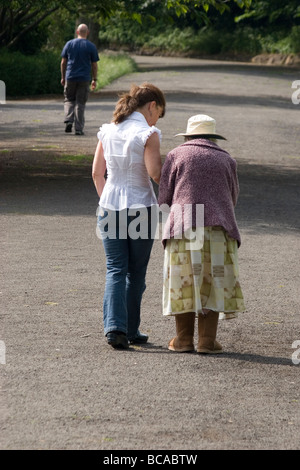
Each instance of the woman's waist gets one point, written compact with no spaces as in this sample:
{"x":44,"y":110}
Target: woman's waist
{"x":128,"y":181}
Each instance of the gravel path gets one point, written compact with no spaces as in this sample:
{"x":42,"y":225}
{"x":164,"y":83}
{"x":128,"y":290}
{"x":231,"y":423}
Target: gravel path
{"x":62,"y":386}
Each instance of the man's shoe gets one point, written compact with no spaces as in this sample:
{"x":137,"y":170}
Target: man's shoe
{"x":117,"y":340}
{"x":139,"y":338}
{"x":68,"y":127}
{"x":79,"y":133}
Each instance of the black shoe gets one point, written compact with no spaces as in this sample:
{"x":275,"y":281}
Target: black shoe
{"x":79,"y":133}
{"x":117,"y":340}
{"x":139,"y":338}
{"x":68,"y":127}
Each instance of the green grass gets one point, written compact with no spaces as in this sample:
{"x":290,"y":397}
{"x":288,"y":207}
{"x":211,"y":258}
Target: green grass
{"x":75,"y":159}
{"x":111,"y":67}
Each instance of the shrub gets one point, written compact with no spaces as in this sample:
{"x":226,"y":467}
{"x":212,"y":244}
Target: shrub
{"x":40,"y":74}
{"x":295,"y":39}
{"x":30,"y":75}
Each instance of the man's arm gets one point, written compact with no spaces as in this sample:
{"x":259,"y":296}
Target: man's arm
{"x":94,"y":74}
{"x":63,"y":68}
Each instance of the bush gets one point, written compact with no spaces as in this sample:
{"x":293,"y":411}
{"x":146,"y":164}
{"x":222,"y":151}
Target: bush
{"x":163,"y":37}
{"x":30,"y":75}
{"x":244,"y":40}
{"x":295,"y":39}
{"x":206,"y":41}
{"x":40,"y":74}
{"x":282,"y":43}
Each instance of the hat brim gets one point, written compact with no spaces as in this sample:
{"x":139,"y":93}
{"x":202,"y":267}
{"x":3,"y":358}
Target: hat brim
{"x":202,"y":136}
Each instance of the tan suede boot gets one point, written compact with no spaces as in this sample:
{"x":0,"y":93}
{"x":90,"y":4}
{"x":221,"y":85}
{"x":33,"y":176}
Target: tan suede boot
{"x":207,"y":332}
{"x":184,"y":341}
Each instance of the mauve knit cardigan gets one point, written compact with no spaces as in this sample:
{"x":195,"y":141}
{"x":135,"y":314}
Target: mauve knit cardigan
{"x":200,"y":172}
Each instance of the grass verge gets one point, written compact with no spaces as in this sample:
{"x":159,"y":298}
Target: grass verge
{"x":111,"y":67}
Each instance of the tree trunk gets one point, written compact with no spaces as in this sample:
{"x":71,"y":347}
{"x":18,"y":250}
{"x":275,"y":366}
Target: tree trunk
{"x":93,"y":29}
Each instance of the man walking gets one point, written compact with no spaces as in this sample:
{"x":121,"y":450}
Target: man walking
{"x":79,"y":58}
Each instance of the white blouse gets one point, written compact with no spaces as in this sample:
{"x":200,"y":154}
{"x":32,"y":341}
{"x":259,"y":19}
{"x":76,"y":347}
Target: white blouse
{"x":128,"y":183}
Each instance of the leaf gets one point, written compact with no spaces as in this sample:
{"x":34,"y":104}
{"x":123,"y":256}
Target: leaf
{"x":137,"y":17}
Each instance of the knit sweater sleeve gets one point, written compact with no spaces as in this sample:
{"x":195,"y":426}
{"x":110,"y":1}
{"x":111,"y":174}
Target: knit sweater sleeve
{"x":235,"y":183}
{"x":167,"y":181}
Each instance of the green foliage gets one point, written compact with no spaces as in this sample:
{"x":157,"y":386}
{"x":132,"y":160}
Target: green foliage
{"x":278,"y":42}
{"x":111,"y":67}
{"x":187,"y":41}
{"x":244,"y":41}
{"x":21,"y":20}
{"x":275,"y":13}
{"x":295,"y":39}
{"x":30,"y":75}
{"x":33,"y":41}
{"x":40,"y":74}
{"x":19,"y":17}
{"x":61,"y":28}
{"x":206,"y":41}
{"x":169,"y":26}
{"x":265,"y":28}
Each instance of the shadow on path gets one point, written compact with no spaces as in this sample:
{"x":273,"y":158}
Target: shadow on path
{"x":246,"y":357}
{"x":269,"y":195}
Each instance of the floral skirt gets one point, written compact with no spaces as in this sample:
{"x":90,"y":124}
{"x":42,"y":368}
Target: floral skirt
{"x":203,"y":276}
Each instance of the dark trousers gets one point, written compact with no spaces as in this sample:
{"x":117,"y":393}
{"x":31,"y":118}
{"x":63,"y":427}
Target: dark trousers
{"x":76,"y":95}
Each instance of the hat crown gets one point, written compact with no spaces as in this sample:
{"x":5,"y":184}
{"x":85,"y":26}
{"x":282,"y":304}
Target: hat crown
{"x":201,"y":124}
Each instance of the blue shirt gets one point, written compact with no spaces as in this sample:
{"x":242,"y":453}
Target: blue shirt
{"x":80,"y":53}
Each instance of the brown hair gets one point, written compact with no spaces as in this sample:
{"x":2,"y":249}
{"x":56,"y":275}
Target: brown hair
{"x":137,"y":97}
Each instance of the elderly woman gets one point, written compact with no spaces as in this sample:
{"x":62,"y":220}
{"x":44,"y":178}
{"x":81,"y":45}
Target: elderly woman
{"x":201,"y":276}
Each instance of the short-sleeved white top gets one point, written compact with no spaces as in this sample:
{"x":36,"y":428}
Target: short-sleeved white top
{"x":128,"y":183}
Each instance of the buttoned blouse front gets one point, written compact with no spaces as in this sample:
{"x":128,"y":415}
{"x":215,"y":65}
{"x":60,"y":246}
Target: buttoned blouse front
{"x":128,"y":183}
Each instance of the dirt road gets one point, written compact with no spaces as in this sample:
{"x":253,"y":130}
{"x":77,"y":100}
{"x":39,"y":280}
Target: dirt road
{"x":62,"y":386}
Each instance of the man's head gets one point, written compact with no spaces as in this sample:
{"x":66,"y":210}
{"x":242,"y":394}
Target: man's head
{"x":82,"y":31}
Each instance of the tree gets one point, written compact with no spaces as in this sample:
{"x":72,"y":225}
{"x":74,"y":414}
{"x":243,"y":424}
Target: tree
{"x":19,"y":17}
{"x":273,"y":13}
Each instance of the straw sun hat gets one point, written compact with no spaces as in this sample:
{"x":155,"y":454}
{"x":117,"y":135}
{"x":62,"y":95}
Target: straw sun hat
{"x":201,"y":125}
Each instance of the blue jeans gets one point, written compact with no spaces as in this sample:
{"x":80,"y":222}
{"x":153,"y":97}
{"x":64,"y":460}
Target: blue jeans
{"x":126,"y":265}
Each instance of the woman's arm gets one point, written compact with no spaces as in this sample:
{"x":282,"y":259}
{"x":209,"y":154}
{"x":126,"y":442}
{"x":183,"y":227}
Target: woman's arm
{"x":152,"y":157}
{"x":99,"y":168}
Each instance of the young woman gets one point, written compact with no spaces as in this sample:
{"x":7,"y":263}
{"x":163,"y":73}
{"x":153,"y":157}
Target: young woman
{"x":129,"y":150}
